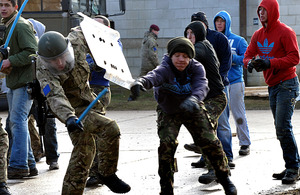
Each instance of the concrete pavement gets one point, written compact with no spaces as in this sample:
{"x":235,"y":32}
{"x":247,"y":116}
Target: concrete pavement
{"x":138,"y":162}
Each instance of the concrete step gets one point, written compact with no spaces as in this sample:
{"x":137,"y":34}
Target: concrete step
{"x":259,"y":91}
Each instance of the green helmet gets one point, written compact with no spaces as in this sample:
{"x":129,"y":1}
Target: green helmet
{"x":56,"y":53}
{"x":52,"y":44}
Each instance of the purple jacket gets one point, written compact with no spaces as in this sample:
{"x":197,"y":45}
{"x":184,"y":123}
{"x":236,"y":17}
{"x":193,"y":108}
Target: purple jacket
{"x":172,"y":87}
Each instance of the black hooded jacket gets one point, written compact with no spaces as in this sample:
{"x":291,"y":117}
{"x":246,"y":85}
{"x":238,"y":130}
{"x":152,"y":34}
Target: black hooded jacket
{"x":206,"y":54}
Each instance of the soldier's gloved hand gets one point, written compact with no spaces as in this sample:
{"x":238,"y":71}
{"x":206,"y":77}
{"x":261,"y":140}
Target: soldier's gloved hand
{"x":135,"y":89}
{"x":72,"y":125}
{"x":4,"y":52}
{"x":261,"y":64}
{"x":190,"y":104}
{"x":250,"y":65}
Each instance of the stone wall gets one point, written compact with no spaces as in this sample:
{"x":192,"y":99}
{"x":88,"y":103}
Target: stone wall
{"x":172,"y":16}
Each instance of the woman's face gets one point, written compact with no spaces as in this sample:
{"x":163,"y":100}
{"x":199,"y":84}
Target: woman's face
{"x":180,"y":60}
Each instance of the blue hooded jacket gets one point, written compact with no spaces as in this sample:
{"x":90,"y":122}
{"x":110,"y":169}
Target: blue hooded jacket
{"x":238,"y":48}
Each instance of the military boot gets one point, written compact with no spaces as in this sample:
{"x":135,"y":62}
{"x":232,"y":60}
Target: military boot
{"x":228,"y":186}
{"x":4,"y":189}
{"x":115,"y":184}
{"x":93,"y":181}
{"x":199,"y":164}
{"x":208,"y":177}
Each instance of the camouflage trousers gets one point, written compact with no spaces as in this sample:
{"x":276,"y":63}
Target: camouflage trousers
{"x":201,"y":129}
{"x":95,"y":125}
{"x":105,"y":100}
{"x":3,"y":153}
{"x":215,"y":106}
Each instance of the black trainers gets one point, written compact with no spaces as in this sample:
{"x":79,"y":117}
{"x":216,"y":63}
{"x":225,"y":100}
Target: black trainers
{"x":93,"y":181}
{"x":228,"y":186}
{"x":231,"y":164}
{"x":33,"y":172}
{"x":208,"y":177}
{"x":4,"y":189}
{"x":244,"y":150}
{"x":279,"y":176}
{"x":115,"y":184}
{"x":199,"y":164}
{"x":14,"y":173}
{"x":192,"y":147}
{"x":53,"y":166}
{"x":291,"y":176}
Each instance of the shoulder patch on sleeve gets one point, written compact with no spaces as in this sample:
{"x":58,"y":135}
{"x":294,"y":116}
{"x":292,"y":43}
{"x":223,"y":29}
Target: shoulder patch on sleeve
{"x":46,"y":89}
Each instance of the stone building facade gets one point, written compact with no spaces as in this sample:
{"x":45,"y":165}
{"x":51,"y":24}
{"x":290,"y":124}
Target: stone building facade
{"x":172,"y":16}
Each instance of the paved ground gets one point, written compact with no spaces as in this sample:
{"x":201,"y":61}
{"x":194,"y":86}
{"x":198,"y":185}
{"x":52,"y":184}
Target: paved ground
{"x":138,"y":162}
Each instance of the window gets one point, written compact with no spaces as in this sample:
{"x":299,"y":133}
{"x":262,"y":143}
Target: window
{"x":43,"y":5}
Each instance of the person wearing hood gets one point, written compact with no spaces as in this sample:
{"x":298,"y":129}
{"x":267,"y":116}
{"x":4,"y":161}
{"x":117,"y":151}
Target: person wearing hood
{"x":215,"y":101}
{"x":222,"y":48}
{"x":180,"y":87}
{"x":274,"y":50}
{"x":222,"y":22}
{"x":149,"y":50}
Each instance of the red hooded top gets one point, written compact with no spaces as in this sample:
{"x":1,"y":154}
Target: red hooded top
{"x":276,"y":42}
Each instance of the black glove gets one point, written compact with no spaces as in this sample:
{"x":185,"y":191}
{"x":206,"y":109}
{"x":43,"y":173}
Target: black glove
{"x":135,"y":89}
{"x":250,"y":65}
{"x":261,"y":65}
{"x":4,"y":52}
{"x":190,"y":104}
{"x":72,"y":125}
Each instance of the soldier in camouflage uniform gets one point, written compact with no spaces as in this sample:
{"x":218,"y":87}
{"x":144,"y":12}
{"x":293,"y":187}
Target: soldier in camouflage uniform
{"x":64,"y":82}
{"x":149,"y":50}
{"x":3,"y":160}
{"x":3,"y":145}
{"x":180,"y":86}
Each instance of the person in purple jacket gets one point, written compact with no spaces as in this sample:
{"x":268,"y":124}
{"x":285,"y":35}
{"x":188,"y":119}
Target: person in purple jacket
{"x":180,"y":86}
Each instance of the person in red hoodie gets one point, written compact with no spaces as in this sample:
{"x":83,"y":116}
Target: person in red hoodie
{"x":274,"y":50}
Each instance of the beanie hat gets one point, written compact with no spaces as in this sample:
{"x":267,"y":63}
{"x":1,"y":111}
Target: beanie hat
{"x":181,"y":44}
{"x":154,"y":27}
{"x":199,"y":16}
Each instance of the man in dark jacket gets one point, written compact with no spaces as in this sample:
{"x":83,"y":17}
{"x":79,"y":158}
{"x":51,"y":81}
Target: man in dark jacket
{"x":216,"y":101}
{"x":180,"y":86}
{"x":221,"y":46}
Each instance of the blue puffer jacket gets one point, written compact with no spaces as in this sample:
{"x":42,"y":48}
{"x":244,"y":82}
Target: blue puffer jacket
{"x":238,"y":48}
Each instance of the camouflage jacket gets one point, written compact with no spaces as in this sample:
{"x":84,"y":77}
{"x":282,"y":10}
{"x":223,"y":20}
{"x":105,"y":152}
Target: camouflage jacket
{"x":149,"y":51}
{"x":69,"y":94}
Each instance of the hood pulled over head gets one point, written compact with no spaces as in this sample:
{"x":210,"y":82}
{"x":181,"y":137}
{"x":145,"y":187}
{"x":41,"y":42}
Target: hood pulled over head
{"x":198,"y":29}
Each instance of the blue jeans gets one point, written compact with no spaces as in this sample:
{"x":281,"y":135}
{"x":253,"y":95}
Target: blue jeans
{"x":19,"y":105}
{"x":224,"y":130}
{"x":282,"y":102}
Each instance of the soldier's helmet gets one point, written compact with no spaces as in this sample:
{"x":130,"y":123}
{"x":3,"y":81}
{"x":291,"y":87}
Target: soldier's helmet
{"x":56,"y":53}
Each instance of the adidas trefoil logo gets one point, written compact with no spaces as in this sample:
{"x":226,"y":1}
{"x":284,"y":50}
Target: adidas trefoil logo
{"x":266,"y":48}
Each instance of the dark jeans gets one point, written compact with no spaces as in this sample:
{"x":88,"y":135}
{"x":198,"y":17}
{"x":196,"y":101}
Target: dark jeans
{"x":282,"y":102}
{"x":50,"y":138}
